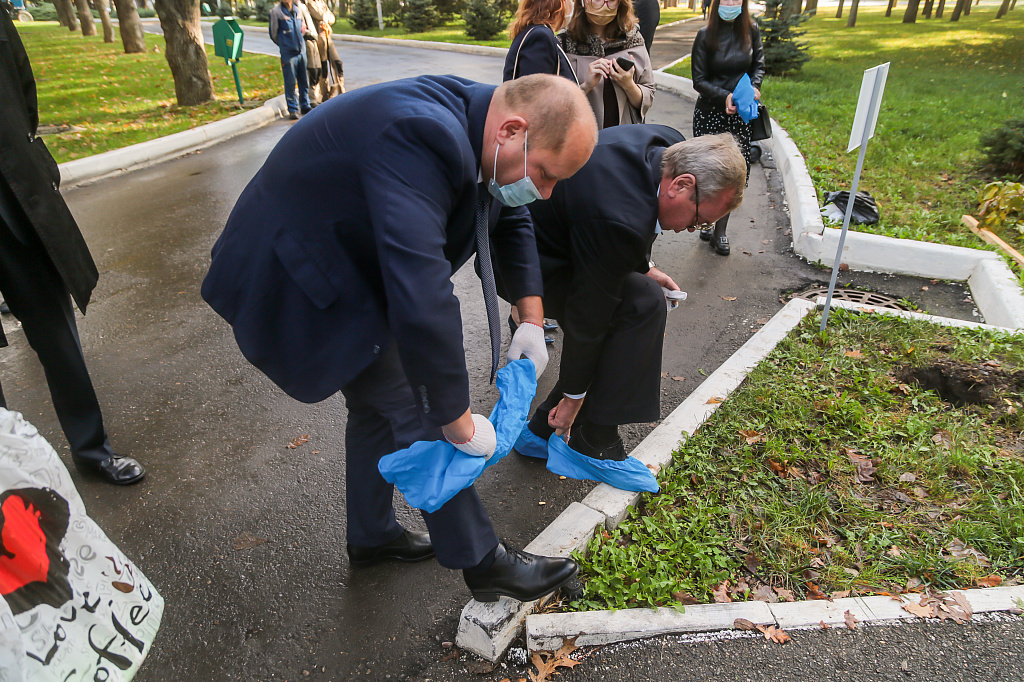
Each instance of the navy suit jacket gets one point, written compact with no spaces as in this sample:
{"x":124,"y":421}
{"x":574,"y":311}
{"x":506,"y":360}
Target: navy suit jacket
{"x":597,"y":227}
{"x":346,"y":240}
{"x":537,"y":50}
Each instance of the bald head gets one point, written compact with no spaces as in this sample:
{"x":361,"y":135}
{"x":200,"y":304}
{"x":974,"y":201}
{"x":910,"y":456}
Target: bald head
{"x":542,"y":122}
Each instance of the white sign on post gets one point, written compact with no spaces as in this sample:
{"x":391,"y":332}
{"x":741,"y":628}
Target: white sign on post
{"x":866,"y":114}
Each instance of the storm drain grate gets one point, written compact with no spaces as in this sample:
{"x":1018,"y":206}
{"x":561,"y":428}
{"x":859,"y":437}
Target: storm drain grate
{"x":854,"y":296}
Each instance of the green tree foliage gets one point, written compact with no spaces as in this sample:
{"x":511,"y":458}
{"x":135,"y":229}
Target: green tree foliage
{"x":420,"y":16}
{"x":449,"y":9}
{"x":484,"y":19}
{"x":363,"y":15}
{"x":782,"y":53}
{"x":262,"y":9}
{"x":1004,"y":149}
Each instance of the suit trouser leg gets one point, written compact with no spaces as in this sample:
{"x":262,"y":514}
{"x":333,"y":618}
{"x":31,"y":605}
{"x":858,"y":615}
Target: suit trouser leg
{"x":36,"y":295}
{"x":383,"y":417}
{"x":627,"y":382}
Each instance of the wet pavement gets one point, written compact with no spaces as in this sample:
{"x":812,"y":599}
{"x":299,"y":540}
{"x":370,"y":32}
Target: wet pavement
{"x":243,"y":536}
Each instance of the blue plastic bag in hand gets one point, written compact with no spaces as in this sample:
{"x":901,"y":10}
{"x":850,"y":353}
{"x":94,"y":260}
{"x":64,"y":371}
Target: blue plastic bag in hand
{"x":630,"y":474}
{"x":743,"y":98}
{"x":429,"y":473}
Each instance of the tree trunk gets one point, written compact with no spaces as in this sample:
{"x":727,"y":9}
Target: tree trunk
{"x":852,"y":20}
{"x":967,"y":8}
{"x":927,"y":11}
{"x":1003,"y":9}
{"x":811,"y":7}
{"x":888,"y":10}
{"x":839,"y":12}
{"x":61,"y":18}
{"x":910,"y":16}
{"x":957,"y":9}
{"x":131,"y":28}
{"x":185,"y":52}
{"x":940,"y":9}
{"x":692,"y":5}
{"x":790,"y":8}
{"x":85,"y":18}
{"x":108,"y":28}
{"x":70,"y":20}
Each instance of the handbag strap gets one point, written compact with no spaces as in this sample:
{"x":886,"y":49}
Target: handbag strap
{"x":558,"y":68}
{"x":515,"y":67}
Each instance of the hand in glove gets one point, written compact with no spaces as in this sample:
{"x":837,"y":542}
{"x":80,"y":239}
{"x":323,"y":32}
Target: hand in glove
{"x":529,"y":341}
{"x":481,"y":443}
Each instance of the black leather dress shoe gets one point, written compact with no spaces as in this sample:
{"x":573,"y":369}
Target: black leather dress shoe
{"x":410,"y":546}
{"x":116,"y":469}
{"x":519,"y":575}
{"x":614,"y":451}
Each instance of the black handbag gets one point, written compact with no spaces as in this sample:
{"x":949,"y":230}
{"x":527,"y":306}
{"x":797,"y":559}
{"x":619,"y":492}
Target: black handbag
{"x":761,"y":127}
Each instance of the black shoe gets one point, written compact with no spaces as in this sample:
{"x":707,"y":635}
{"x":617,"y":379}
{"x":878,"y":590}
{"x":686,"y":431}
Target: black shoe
{"x":115,"y":469}
{"x":4,"y":308}
{"x":519,"y":575}
{"x":308,"y":109}
{"x":615,"y":451}
{"x":705,"y":233}
{"x":293,"y":115}
{"x":410,"y":546}
{"x":720,"y":245}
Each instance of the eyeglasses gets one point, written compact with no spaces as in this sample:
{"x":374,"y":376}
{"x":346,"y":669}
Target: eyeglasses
{"x":598,"y":3}
{"x":696,"y":203}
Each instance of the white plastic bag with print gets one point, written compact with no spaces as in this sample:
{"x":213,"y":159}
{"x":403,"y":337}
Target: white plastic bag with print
{"x":73,"y":607}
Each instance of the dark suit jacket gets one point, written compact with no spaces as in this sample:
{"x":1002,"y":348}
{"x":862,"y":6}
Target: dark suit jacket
{"x":30,"y":200}
{"x":597,"y":227}
{"x":346,"y":240}
{"x":538,"y":51}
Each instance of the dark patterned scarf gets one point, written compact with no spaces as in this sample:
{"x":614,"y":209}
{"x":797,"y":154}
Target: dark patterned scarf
{"x":593,"y":46}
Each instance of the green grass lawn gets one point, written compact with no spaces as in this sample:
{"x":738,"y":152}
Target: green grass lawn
{"x":832,"y":470}
{"x":121,"y":99}
{"x":948,"y":84}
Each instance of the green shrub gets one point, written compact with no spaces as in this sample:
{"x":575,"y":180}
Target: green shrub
{"x":1002,"y":207}
{"x":484,"y":20}
{"x":363,"y":15}
{"x":782,"y":53}
{"x":44,"y":11}
{"x":420,"y":16}
{"x":263,"y":8}
{"x":449,"y":9}
{"x":1004,"y":149}
{"x":146,"y":13}
{"x":244,"y":12}
{"x":222,"y":11}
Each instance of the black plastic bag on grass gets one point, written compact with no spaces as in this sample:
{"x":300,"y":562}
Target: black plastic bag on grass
{"x":865,"y":209}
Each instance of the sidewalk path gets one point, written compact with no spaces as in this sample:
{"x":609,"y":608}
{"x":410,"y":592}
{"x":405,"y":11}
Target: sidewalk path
{"x":673,"y":42}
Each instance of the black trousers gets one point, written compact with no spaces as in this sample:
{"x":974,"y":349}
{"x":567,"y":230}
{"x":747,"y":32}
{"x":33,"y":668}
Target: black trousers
{"x":36,"y":295}
{"x":627,"y":384}
{"x":383,"y":417}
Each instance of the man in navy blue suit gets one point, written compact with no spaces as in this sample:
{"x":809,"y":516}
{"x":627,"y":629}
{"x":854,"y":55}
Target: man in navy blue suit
{"x":335,"y":270}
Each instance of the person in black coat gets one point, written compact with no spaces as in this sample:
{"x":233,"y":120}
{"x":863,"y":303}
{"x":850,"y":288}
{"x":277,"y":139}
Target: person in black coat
{"x":648,"y":13}
{"x":728,"y":47}
{"x":534,"y":48}
{"x":594,"y":237}
{"x":335,"y":269}
{"x":43,"y":259}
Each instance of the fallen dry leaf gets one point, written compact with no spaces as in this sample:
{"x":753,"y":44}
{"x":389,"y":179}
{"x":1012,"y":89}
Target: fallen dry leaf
{"x":919,"y":610}
{"x":721,"y":593}
{"x":762,"y":320}
{"x":943,"y":437}
{"x":764,"y":593}
{"x":784,"y":594}
{"x":839,"y":594}
{"x":851,"y":620}
{"x":297,"y":441}
{"x":907,"y":478}
{"x":855,"y":354}
{"x":775,"y":634}
{"x":685,"y":598}
{"x":958,"y":550}
{"x":678,"y":378}
{"x":751,"y":562}
{"x":728,"y":298}
{"x":546,"y":662}
{"x":743,"y":624}
{"x":814,"y":592}
{"x":714,"y":400}
{"x":751,"y":436}
{"x":823,"y":625}
{"x":989,"y":581}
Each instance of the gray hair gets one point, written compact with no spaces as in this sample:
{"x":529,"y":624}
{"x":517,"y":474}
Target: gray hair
{"x":714,"y":160}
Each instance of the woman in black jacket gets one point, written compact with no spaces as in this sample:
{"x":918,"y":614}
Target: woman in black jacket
{"x":728,"y":47}
{"x":535,"y":49}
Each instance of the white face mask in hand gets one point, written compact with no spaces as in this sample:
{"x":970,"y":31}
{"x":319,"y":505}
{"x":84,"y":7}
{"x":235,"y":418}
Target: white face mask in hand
{"x":520,"y":192}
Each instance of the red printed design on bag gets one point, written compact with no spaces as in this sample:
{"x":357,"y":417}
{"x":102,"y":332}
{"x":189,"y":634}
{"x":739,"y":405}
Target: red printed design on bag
{"x":33,"y":569}
{"x":24,"y":557}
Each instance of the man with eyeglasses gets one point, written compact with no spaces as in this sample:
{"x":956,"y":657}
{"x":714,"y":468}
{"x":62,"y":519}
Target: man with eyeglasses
{"x":594,"y":237}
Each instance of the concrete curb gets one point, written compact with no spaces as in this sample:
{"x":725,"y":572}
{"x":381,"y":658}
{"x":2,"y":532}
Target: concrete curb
{"x":427,"y":45}
{"x":489,"y":629}
{"x":117,"y":161}
{"x":993,"y":285}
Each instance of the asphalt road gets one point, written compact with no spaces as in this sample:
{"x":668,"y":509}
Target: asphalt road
{"x":245,"y":537}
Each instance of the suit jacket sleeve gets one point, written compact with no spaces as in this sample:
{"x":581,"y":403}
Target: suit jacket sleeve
{"x":514,"y":254}
{"x":537,"y":55}
{"x":699,"y":67}
{"x":603,"y":253}
{"x":412,"y":182}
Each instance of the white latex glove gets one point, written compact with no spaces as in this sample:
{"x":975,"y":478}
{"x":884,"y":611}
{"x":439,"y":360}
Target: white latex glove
{"x":673,"y":297}
{"x":484,"y":439}
{"x":528,"y":341}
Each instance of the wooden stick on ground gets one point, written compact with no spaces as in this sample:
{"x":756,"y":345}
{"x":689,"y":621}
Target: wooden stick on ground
{"x":991,"y":238}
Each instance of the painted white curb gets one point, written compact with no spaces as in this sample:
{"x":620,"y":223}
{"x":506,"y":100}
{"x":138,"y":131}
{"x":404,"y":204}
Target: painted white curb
{"x":427,"y":45}
{"x":144,"y":154}
{"x":992,"y":283}
{"x":488,"y":629}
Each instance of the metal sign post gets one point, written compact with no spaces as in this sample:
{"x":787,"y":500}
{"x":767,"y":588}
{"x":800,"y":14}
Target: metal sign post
{"x":380,"y":16}
{"x":864,"y":120}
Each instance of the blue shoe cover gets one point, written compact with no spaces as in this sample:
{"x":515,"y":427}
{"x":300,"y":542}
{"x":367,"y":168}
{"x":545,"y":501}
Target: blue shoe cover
{"x":630,"y":474}
{"x":530,"y":444}
{"x":429,"y":473}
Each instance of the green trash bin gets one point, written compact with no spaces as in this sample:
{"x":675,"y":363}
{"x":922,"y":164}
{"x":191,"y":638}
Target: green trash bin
{"x":227,"y":43}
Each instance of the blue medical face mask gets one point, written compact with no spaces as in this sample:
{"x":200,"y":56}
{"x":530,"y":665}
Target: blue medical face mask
{"x":729,"y":12}
{"x":520,"y":192}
